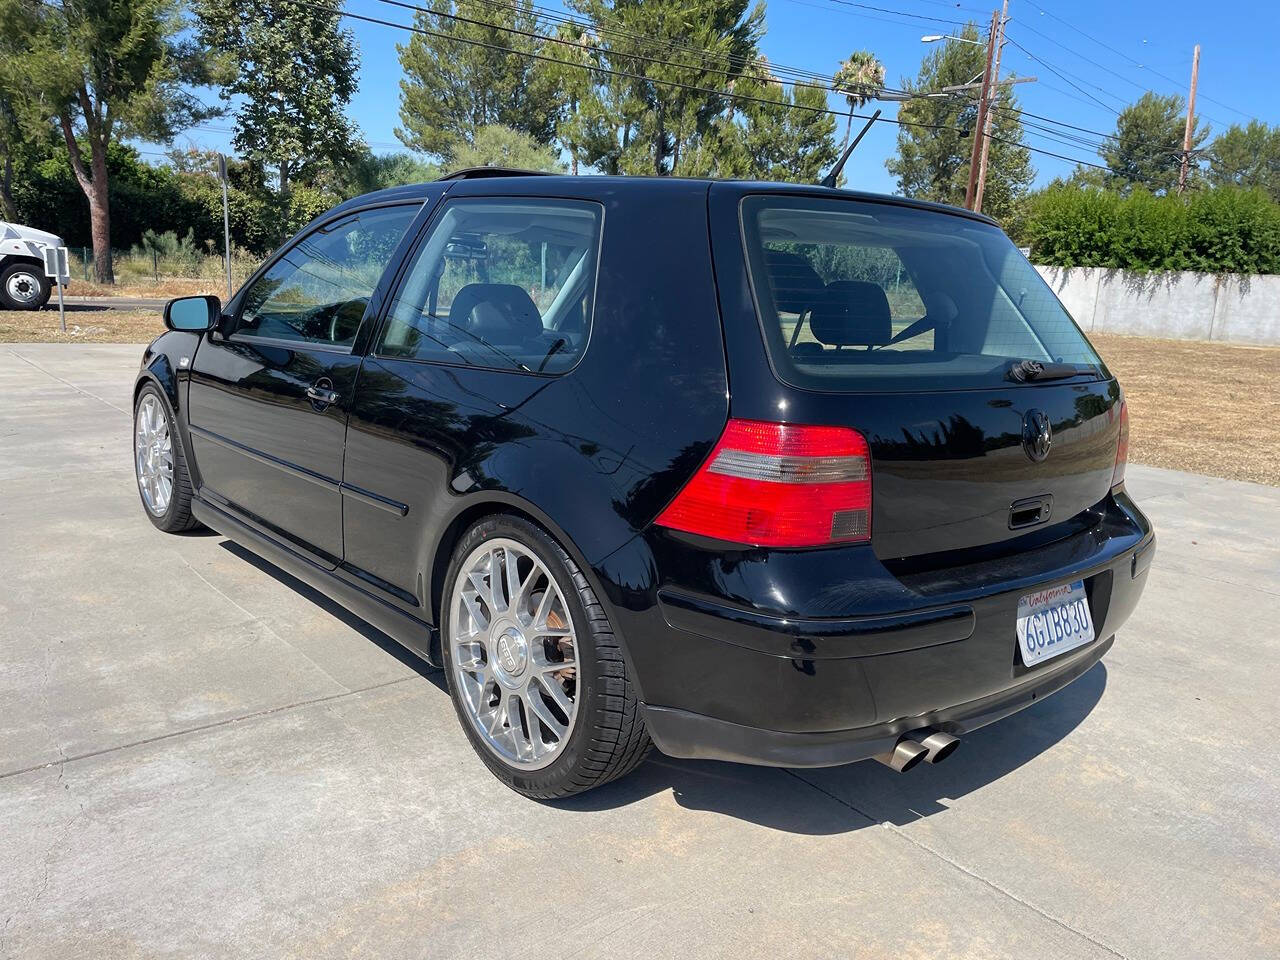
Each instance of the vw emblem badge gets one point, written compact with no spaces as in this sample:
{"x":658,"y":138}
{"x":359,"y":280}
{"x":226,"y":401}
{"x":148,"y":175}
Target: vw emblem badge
{"x":1037,"y":435}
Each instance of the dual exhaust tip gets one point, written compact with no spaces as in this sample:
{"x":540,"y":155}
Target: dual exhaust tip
{"x":931,"y":745}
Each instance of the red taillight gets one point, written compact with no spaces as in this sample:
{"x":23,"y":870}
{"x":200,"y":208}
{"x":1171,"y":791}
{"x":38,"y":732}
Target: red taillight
{"x":1122,"y":449}
{"x":779,"y":485}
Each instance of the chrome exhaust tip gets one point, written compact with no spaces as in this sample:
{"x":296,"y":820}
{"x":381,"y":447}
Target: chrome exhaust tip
{"x":905,"y":755}
{"x":940,"y":745}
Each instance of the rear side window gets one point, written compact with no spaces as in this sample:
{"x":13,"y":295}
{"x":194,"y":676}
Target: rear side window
{"x":860,"y":296}
{"x":501,"y":283}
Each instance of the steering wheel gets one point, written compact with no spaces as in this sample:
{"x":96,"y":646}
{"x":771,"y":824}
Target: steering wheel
{"x":344,"y":319}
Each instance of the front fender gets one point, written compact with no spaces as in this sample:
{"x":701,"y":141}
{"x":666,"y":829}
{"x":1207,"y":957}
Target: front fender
{"x":165,"y":364}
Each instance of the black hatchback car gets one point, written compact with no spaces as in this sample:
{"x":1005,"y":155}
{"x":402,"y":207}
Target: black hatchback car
{"x":775,"y":474}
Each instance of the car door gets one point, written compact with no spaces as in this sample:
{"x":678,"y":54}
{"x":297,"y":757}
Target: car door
{"x":494,"y":304}
{"x":270,"y":390}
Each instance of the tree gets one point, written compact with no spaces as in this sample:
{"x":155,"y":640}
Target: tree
{"x":1247,"y":157}
{"x":102,"y":72}
{"x":12,"y":141}
{"x":574,"y":78}
{"x":1146,"y":149}
{"x":497,"y":146}
{"x":647,"y":117}
{"x":935,"y":136}
{"x":292,"y":69}
{"x":790,"y":137}
{"x":859,"y":79}
{"x":369,"y":172}
{"x":472,"y":71}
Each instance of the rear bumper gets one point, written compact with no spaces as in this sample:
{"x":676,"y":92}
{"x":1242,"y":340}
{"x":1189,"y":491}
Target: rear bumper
{"x":680,"y":733}
{"x":758,"y":687}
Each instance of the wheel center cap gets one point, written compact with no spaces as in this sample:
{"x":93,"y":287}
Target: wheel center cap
{"x":511,"y":654}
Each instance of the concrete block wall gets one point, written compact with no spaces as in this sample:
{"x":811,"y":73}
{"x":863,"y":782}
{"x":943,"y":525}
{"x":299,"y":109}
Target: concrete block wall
{"x":1179,"y":306}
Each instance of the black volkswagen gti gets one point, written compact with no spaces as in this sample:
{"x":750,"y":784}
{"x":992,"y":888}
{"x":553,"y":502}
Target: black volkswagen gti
{"x":776,"y":474}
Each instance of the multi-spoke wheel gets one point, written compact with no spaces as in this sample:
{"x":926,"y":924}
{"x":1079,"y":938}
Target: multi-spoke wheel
{"x":153,"y":455}
{"x":534,"y":669}
{"x":159,"y":466}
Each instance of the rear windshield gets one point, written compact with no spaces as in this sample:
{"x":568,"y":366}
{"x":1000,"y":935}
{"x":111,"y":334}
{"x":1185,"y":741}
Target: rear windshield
{"x":868,"y":296}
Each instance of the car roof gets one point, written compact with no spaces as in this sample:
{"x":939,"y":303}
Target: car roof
{"x":532,"y":182}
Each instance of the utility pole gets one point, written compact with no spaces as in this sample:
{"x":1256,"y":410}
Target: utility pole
{"x":226,"y":219}
{"x":1191,"y":121}
{"x":990,"y":120}
{"x":975,"y":154}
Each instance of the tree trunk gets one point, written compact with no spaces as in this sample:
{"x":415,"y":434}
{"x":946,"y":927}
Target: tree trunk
{"x":6,"y":189}
{"x":100,"y":214}
{"x":93,"y":182}
{"x":848,"y":128}
{"x":100,"y":230}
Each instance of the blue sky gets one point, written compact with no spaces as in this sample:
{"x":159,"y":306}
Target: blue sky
{"x":1095,"y":47}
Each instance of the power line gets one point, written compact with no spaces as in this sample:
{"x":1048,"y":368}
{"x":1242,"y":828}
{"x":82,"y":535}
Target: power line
{"x":899,"y":13}
{"x":726,"y":94}
{"x":1095,"y":63}
{"x":1139,"y":65}
{"x":1066,"y":79}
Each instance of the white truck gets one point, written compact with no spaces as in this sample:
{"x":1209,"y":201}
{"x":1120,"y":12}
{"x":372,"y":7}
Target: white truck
{"x":23,"y":285}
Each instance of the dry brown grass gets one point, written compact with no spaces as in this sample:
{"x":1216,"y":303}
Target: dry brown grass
{"x":166,"y":288}
{"x":83,"y":326}
{"x":1205,"y":407}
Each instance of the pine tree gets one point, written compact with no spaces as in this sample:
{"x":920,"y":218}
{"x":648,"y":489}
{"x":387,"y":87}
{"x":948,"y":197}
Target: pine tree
{"x":473,"y":70}
{"x":935,"y":138}
{"x":650,"y":117}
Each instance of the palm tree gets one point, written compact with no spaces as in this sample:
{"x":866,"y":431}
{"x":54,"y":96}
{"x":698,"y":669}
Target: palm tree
{"x":859,"y":79}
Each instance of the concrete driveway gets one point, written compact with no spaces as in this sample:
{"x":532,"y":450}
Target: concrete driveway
{"x":200,"y":756}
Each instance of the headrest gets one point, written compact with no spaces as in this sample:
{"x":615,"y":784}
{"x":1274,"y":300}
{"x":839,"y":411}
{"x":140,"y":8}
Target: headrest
{"x":497,"y":312}
{"x":852,"y":313}
{"x":939,"y":306}
{"x":796,"y":285}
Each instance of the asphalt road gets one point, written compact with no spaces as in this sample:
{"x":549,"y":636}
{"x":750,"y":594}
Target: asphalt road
{"x":200,"y":756}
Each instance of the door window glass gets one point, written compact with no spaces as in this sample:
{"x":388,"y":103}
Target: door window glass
{"x":503,"y":283}
{"x":318,"y":290}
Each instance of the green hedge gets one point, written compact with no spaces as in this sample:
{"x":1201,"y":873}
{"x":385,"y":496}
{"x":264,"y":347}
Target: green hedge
{"x":1223,"y":230}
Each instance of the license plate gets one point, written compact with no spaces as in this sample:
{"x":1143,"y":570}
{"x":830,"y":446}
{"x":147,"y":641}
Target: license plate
{"x":1053,"y":621}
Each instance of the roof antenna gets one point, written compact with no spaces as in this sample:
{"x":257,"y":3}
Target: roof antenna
{"x":830,"y":179}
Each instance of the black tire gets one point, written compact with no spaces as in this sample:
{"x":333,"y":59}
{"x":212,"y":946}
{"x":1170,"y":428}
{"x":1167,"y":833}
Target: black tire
{"x":609,"y":739}
{"x":28,"y":277}
{"x":177,"y":516}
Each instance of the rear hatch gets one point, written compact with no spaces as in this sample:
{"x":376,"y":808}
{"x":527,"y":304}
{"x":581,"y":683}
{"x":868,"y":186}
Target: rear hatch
{"x":987,"y":414}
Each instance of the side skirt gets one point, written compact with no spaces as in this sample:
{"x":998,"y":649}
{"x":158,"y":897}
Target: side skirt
{"x":408,"y":631}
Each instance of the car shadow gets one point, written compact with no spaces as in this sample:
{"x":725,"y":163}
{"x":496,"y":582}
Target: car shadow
{"x":843,"y":798}
{"x":338,"y":611}
{"x":860,"y":794}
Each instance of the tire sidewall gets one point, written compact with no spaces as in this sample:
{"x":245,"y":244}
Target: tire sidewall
{"x":42,"y":282}
{"x":550,"y":780}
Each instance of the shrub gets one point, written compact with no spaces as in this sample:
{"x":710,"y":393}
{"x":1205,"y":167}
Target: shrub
{"x":1222,"y":230}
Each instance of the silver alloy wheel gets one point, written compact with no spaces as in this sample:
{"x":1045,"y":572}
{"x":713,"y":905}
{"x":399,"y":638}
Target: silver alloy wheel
{"x":23,"y":287}
{"x":153,"y":455}
{"x":515,"y":656}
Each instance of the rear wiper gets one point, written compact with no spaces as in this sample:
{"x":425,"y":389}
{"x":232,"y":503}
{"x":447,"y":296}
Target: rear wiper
{"x":1024,"y":370}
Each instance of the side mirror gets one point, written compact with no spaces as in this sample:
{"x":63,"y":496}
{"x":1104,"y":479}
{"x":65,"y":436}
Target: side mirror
{"x":194,"y":314}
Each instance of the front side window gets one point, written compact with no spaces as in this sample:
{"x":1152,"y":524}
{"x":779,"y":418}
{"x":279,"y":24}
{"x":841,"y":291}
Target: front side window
{"x":501,"y":283}
{"x":318,"y":290}
{"x":858,"y":296}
